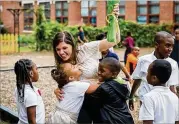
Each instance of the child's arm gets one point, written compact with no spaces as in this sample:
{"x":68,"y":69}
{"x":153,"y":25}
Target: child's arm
{"x":123,"y":68}
{"x":92,"y":88}
{"x":85,"y":39}
{"x":172,"y":88}
{"x":148,"y":122}
{"x":31,"y":114}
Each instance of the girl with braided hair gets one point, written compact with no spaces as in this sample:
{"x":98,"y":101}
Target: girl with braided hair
{"x":28,"y":98}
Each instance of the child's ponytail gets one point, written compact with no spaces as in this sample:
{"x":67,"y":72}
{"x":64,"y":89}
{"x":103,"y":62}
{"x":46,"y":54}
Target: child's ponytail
{"x":60,"y":77}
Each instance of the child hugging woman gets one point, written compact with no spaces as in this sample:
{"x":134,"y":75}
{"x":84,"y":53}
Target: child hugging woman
{"x":107,"y":101}
{"x":67,"y":110}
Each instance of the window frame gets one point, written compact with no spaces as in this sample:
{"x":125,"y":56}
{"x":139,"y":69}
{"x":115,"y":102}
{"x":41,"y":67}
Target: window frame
{"x":89,"y":17}
{"x":175,"y":14}
{"x":62,"y":9}
{"x":148,"y":14}
{"x":122,"y":16}
{"x":46,"y":9}
{"x":28,"y":17}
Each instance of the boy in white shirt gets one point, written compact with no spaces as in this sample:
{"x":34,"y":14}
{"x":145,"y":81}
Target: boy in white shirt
{"x":163,"y":47}
{"x":160,"y":105}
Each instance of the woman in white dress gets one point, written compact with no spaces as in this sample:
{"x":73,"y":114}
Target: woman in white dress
{"x":85,"y":56}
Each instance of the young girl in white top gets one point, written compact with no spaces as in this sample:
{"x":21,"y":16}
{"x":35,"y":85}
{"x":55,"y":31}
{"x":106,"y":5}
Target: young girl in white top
{"x":67,"y":110}
{"x":30,"y":105}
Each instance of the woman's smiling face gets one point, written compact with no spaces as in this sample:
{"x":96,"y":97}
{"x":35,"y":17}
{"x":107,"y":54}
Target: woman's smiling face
{"x":64,"y":51}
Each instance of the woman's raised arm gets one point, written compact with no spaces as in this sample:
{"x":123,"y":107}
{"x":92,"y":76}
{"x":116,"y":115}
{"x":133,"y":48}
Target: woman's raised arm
{"x":104,"y":44}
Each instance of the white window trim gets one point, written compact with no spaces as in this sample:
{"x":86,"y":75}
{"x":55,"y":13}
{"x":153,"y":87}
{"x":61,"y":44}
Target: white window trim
{"x":27,"y":2}
{"x":67,"y":0}
{"x":27,"y":31}
{"x":74,"y":0}
{"x":44,"y":1}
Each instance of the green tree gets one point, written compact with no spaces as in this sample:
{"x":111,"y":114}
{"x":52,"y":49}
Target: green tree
{"x":39,"y":28}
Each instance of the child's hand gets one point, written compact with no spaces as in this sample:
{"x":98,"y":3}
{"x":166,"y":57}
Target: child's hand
{"x":131,"y":81}
{"x":131,"y":104}
{"x":118,"y":37}
{"x":59,"y":93}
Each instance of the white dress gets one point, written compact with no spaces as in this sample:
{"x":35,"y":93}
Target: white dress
{"x":88,"y":59}
{"x":67,"y":110}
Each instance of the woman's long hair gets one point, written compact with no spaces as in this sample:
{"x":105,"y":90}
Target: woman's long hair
{"x":22,"y":70}
{"x":68,"y":39}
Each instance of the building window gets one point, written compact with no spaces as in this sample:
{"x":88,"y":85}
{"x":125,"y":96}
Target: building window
{"x":147,"y":11}
{"x":46,"y":6}
{"x":176,"y":15}
{"x":28,"y":17}
{"x":61,"y":11}
{"x":122,"y":10}
{"x":88,"y":12}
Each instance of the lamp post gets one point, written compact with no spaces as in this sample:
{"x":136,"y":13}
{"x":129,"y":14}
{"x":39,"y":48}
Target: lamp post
{"x":16,"y":13}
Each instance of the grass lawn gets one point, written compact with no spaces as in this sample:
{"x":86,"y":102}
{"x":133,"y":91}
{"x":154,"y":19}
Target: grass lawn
{"x":26,"y":49}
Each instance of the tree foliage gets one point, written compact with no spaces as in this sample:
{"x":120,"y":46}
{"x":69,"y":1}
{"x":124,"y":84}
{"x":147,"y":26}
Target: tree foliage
{"x":143,"y":34}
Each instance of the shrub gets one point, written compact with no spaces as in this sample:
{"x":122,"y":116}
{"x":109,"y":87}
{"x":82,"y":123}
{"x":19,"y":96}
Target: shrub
{"x":3,"y":30}
{"x":143,"y":34}
{"x":45,"y":32}
{"x":28,"y":40}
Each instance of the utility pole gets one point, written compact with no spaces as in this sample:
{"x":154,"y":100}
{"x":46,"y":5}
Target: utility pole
{"x":16,"y":13}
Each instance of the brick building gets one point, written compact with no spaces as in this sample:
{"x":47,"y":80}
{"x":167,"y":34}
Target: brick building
{"x":89,"y":12}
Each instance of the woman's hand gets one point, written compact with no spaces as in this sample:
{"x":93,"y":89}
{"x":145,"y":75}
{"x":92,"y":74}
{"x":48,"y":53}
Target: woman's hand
{"x":124,"y":43}
{"x":131,"y":104}
{"x":59,"y":93}
{"x":116,"y":10}
{"x":116,"y":13}
{"x":118,"y":37}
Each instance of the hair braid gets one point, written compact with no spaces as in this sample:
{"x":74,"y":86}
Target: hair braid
{"x":22,"y":70}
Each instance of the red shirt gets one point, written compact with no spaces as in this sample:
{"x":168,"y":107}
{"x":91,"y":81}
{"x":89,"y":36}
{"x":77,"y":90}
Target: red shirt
{"x":129,"y":42}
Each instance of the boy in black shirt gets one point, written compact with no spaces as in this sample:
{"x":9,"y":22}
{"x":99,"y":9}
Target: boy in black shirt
{"x":108,"y":103}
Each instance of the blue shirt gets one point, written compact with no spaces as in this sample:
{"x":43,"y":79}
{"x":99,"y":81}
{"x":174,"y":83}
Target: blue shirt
{"x":81,"y":35}
{"x":111,"y":54}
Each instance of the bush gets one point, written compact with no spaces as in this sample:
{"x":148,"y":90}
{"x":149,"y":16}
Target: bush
{"x":143,"y":34}
{"x":45,"y":33}
{"x":3,"y":30}
{"x":28,"y":40}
